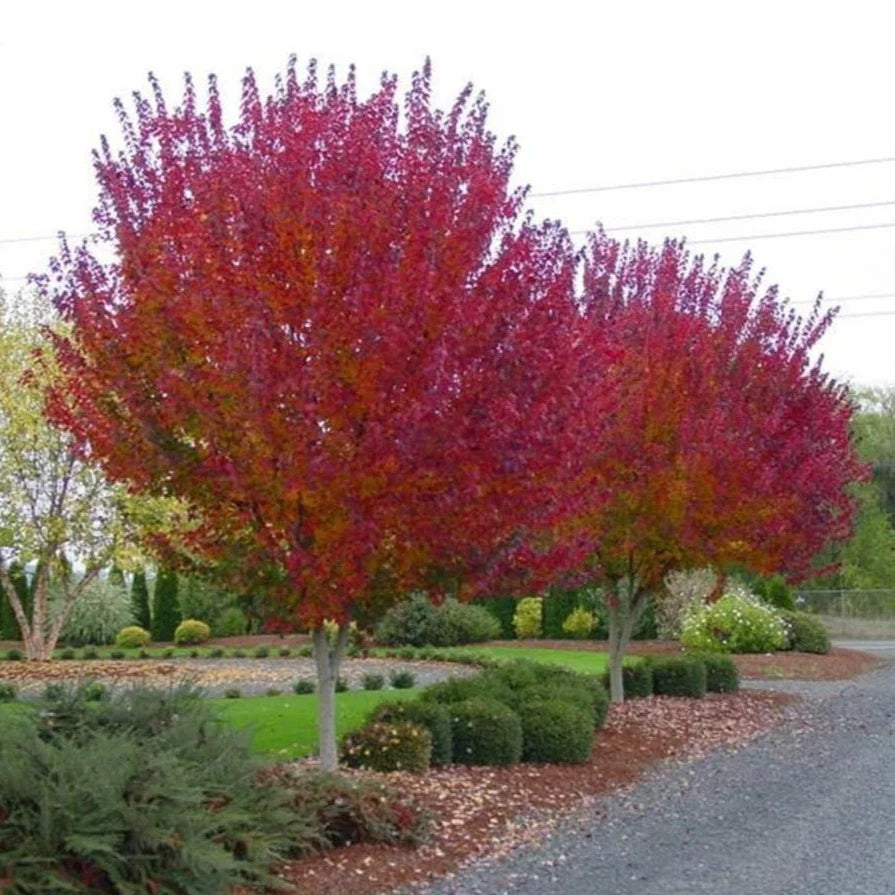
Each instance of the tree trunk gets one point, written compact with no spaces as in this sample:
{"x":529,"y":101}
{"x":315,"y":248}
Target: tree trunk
{"x":328,"y":661}
{"x":624,"y":609}
{"x":39,"y":633}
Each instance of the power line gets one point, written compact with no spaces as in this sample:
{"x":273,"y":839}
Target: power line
{"x":836,"y":301}
{"x":748,"y":217}
{"x":41,"y":238}
{"x":752,"y":236}
{"x":866,"y":314}
{"x":707,"y":177}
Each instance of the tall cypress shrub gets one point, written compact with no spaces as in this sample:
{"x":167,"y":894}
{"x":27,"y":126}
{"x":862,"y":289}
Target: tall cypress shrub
{"x":140,"y":600}
{"x":165,"y":608}
{"x":116,"y":576}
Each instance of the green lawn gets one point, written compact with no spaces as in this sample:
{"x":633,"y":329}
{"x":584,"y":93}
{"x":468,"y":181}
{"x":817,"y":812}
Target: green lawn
{"x":286,"y":726}
{"x":588,"y":661}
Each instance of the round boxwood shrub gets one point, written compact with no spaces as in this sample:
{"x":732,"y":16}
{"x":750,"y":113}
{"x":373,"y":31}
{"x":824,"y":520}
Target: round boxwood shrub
{"x":485,"y":732}
{"x":190,"y":632}
{"x":303,"y":686}
{"x":564,"y":678}
{"x":8,"y":691}
{"x":478,"y":686}
{"x":555,"y":730}
{"x":132,"y":637}
{"x":806,"y":633}
{"x":431,"y":715}
{"x":412,"y":622}
{"x":734,"y":624}
{"x":637,"y":679}
{"x":679,"y":676}
{"x":462,"y":623}
{"x":388,"y":746}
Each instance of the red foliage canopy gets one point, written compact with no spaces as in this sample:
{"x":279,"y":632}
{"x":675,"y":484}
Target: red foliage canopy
{"x":726,"y":443}
{"x":330,"y":330}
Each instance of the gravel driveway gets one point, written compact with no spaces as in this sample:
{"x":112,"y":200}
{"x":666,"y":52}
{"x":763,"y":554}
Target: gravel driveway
{"x":807,"y":810}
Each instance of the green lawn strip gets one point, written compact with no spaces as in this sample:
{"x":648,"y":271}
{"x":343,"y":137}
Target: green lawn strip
{"x":588,"y":661}
{"x":285,"y":727}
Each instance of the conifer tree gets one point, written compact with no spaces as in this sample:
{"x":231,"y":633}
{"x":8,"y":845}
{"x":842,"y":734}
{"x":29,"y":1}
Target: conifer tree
{"x":165,"y":608}
{"x":140,"y":600}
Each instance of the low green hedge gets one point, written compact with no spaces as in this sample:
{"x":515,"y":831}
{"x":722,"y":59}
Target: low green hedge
{"x":679,"y":676}
{"x":721,"y":672}
{"x":637,"y":679}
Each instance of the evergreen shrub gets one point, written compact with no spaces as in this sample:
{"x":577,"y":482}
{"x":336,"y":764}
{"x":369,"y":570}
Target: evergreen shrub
{"x":191,"y":632}
{"x":683,"y":675}
{"x":555,"y":730}
{"x":485,"y":732}
{"x":132,"y":637}
{"x":806,"y":633}
{"x":431,"y":715}
{"x":388,"y":746}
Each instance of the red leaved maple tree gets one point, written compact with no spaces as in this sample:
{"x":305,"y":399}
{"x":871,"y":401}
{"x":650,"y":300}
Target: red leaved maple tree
{"x":331,"y":331}
{"x":726,"y":443}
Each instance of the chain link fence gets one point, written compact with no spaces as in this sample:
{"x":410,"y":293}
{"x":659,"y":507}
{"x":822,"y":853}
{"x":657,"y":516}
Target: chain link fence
{"x":852,"y":613}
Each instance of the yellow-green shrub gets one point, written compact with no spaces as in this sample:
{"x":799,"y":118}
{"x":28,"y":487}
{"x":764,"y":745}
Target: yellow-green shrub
{"x":191,"y":631}
{"x":528,"y":618}
{"x":132,"y":637}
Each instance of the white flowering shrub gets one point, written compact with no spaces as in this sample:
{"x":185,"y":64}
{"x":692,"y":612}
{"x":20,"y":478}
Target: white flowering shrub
{"x":737,"y":623}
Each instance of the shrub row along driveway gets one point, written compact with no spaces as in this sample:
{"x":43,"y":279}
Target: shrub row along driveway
{"x":807,"y":810}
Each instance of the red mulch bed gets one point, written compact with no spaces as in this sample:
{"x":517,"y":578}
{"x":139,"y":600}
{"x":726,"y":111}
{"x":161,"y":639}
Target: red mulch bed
{"x":490,"y":811}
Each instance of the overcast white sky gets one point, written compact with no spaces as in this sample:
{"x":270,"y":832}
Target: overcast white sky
{"x":596,"y":93}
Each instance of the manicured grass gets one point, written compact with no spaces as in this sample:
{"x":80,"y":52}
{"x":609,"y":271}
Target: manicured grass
{"x":588,"y":661}
{"x":286,"y":726}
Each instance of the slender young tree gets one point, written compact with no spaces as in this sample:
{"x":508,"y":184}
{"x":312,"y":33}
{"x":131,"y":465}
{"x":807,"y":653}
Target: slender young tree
{"x":726,"y":444}
{"x":332,"y":332}
{"x":53,"y":504}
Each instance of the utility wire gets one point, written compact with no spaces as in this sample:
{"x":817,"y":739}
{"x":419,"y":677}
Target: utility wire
{"x":751,"y":236}
{"x":649,"y":183}
{"x":707,"y":177}
{"x":748,"y":217}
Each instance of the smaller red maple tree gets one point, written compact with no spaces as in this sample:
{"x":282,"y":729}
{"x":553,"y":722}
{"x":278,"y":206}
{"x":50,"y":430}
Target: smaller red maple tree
{"x":330,"y":330}
{"x":726,"y":443}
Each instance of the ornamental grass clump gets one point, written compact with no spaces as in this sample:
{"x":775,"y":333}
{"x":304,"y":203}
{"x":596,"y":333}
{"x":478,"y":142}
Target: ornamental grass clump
{"x":735,"y":624}
{"x":388,"y":746}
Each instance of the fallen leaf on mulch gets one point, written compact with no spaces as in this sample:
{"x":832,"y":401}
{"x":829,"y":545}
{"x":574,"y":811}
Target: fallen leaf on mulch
{"x":31,"y":672}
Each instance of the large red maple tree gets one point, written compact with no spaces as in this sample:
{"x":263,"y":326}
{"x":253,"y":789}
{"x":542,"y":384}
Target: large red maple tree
{"x":331,"y":330}
{"x":726,"y":443}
